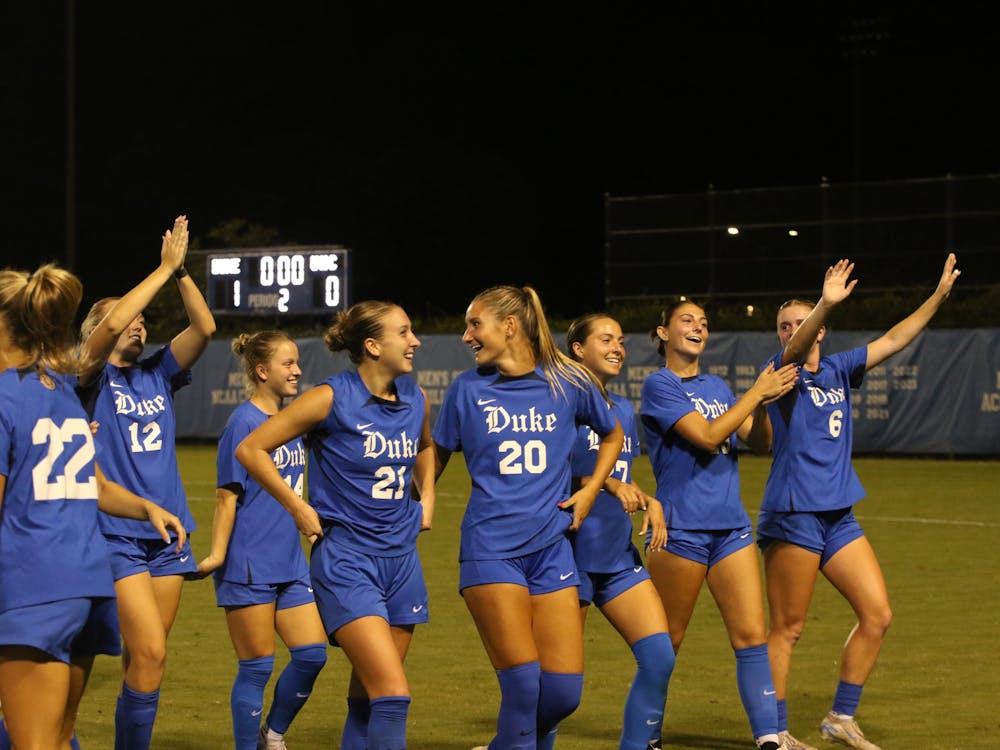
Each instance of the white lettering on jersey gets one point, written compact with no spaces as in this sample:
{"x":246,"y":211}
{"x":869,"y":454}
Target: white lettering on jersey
{"x":710,"y":410}
{"x":402,"y":447}
{"x":822,"y":398}
{"x":284,"y":458}
{"x":594,"y":443}
{"x":125,"y":404}
{"x":499,"y":419}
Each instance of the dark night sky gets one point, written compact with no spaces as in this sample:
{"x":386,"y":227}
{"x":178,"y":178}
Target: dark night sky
{"x":456,"y":150}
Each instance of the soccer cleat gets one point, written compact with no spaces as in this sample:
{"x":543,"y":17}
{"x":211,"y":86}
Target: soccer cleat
{"x":655,"y":745}
{"x":263,"y":743}
{"x":845,"y":731}
{"x":788,"y":742}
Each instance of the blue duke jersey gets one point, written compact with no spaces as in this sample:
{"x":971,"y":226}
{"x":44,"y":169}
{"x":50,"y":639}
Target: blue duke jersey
{"x":52,"y":547}
{"x":517,"y":437}
{"x":813,"y":436}
{"x":361,"y":466}
{"x":134,"y":407}
{"x":604,"y":542}
{"x":265,"y":546}
{"x":699,"y":490}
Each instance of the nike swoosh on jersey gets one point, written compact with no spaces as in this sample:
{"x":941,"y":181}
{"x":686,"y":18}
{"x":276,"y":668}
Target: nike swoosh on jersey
{"x":363,"y":426}
{"x":113,"y":384}
{"x":564,"y":576}
{"x":484,"y":401}
{"x":417,"y":609}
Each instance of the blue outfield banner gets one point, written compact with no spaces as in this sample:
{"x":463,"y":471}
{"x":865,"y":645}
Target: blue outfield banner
{"x":941,"y":395}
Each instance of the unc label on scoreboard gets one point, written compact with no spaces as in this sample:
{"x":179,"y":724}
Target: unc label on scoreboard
{"x":305,"y":280}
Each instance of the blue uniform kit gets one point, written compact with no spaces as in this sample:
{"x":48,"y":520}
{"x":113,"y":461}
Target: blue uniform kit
{"x":517,"y":437}
{"x":700,"y":491}
{"x":361,"y":459}
{"x":607,"y":560}
{"x":56,"y":590}
{"x":812,"y":486}
{"x":133,"y":407}
{"x":264,"y":561}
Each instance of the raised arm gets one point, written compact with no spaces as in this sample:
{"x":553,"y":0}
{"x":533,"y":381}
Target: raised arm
{"x":255,"y":451}
{"x":901,"y":334}
{"x":102,"y":339}
{"x":188,"y":345}
{"x":837,"y":286}
{"x":708,"y":436}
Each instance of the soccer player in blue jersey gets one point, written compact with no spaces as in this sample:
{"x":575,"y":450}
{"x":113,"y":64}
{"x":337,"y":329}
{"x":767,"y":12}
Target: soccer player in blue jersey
{"x":370,"y":452}
{"x":56,"y":592}
{"x":692,"y":421}
{"x":515,"y":419}
{"x":612,"y":575}
{"x":131,"y":398}
{"x":807,"y":523}
{"x":261,"y":575}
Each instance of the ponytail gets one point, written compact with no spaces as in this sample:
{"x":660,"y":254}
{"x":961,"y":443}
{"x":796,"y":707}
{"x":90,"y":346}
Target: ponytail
{"x":524,"y":304}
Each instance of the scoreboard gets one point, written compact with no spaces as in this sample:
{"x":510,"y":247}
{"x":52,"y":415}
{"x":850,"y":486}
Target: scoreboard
{"x":306,"y":280}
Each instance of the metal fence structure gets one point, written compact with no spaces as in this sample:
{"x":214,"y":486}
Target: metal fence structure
{"x":751,"y":244}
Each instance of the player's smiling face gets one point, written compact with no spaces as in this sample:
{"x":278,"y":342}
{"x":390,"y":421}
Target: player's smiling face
{"x":398,"y":342}
{"x":281,"y":373}
{"x":132,"y":340}
{"x":687,"y":331}
{"x":484,"y":333}
{"x":603,"y":351}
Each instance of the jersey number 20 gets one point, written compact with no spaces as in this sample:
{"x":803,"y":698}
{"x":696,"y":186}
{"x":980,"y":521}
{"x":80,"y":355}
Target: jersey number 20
{"x":533,"y":453}
{"x":67,"y":485}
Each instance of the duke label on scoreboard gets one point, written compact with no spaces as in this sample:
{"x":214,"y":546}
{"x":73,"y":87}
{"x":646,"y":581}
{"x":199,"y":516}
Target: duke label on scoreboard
{"x":303,"y":280}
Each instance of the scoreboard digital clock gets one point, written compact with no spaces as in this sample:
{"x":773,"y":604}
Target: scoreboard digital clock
{"x":305,"y":280}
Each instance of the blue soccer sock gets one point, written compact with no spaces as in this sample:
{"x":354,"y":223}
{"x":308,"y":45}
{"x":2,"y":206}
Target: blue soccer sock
{"x":753,"y":677}
{"x":558,"y":696}
{"x":548,"y":741}
{"x":519,"y":687}
{"x":355,"y":735}
{"x":134,"y":717}
{"x":848,"y":697}
{"x":654,"y":656}
{"x":782,"y":715}
{"x":387,"y":725}
{"x":246,"y":700}
{"x":295,"y":684}
{"x":74,"y":742}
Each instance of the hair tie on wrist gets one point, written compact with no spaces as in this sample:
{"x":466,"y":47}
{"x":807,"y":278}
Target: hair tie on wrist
{"x":180,"y":273}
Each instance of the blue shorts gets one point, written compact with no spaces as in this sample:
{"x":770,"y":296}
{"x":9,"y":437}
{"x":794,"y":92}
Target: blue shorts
{"x":129,"y":556}
{"x":708,"y":547}
{"x":550,"y":569}
{"x":350,"y":585}
{"x":601,"y":588}
{"x":284,"y":595}
{"x":823,"y":532}
{"x":83,"y":626}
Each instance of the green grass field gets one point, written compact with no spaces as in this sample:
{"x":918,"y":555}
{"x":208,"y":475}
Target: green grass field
{"x":936,"y":528}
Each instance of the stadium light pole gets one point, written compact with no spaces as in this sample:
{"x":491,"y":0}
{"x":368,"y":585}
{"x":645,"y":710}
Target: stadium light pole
{"x":70,"y":173}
